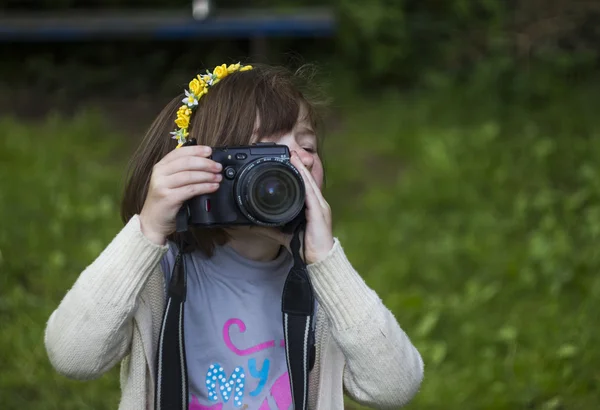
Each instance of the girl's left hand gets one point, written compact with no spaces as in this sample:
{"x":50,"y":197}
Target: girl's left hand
{"x":318,"y":237}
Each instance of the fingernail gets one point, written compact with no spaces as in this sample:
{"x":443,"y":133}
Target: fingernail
{"x":219,"y":166}
{"x":218,"y":177}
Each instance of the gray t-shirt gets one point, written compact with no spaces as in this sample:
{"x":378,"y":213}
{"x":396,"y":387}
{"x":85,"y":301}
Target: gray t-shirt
{"x":233,"y":330}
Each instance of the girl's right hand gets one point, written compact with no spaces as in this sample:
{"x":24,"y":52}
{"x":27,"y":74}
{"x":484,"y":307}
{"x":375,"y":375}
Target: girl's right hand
{"x":182,"y":174}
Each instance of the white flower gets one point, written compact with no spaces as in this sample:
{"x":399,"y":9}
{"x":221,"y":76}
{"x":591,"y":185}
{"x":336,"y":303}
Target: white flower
{"x":190,"y":99}
{"x":179,"y":135}
{"x":209,"y":78}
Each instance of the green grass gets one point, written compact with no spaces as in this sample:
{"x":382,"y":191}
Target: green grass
{"x":59,"y":207}
{"x":476,"y":222}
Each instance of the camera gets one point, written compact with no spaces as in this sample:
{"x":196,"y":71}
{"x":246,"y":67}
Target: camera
{"x":260,"y":186}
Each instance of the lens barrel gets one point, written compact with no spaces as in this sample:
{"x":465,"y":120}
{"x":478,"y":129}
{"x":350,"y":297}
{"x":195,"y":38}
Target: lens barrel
{"x":270,"y":192}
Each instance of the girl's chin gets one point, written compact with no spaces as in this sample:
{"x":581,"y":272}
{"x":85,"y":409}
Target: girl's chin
{"x":255,"y":230}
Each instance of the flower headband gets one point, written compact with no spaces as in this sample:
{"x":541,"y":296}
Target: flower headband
{"x":197,"y":88}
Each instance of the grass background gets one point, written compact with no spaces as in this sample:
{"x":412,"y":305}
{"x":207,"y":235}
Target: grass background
{"x":476,"y":221}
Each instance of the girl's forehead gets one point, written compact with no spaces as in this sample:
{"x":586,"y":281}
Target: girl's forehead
{"x":303,"y":117}
{"x":304,"y":125}
{"x":302,"y":128}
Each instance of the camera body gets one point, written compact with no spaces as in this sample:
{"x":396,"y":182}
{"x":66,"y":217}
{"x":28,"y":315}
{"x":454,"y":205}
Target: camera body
{"x":260,"y":186}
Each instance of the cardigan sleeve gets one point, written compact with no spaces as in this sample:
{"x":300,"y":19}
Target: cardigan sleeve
{"x":383,"y":367}
{"x":91,"y":329}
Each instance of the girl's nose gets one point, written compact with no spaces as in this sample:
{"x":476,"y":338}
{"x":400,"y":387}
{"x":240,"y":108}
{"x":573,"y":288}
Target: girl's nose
{"x":305,"y":156}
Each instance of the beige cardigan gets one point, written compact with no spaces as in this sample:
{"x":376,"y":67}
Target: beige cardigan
{"x":113,"y":314}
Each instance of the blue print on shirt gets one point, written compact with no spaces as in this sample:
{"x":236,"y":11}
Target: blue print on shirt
{"x":261,"y":374}
{"x":232,"y":387}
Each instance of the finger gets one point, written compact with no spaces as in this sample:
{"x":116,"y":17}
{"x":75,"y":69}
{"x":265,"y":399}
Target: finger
{"x":191,"y":177}
{"x":309,"y":180}
{"x":312,"y":202}
{"x":191,"y":163}
{"x":316,"y":189}
{"x":186,"y":192}
{"x":192,"y":150}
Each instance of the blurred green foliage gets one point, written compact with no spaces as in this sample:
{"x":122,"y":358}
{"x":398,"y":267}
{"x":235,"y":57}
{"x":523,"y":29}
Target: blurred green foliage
{"x":475,"y":219}
{"x":429,"y":42}
{"x":477,"y":222}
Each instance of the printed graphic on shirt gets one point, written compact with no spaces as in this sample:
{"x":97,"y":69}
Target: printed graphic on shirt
{"x":250,"y":379}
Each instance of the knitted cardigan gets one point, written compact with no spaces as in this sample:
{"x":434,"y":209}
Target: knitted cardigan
{"x":113,"y":314}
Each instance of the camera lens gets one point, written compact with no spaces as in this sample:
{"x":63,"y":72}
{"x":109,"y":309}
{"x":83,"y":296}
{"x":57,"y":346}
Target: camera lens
{"x":272,"y":193}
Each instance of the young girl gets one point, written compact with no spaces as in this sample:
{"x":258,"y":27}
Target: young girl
{"x":234,"y":348}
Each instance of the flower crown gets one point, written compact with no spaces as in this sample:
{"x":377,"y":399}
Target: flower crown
{"x":197,"y":88}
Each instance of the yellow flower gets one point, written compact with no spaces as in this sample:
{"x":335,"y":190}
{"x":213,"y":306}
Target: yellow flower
{"x":221,"y":71}
{"x":197,"y":87}
{"x":233,"y":68}
{"x":202,"y":80}
{"x":183,"y":117}
{"x":184,"y":110}
{"x":204,"y":91}
{"x":182,"y":122}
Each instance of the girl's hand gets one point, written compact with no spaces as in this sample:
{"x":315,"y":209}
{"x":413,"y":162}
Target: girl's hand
{"x":318,"y":237}
{"x":182,"y":174}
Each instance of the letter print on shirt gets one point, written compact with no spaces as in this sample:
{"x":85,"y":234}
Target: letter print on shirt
{"x":216,"y":374}
{"x":249,"y":382}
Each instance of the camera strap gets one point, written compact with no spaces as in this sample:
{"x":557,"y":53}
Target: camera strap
{"x":171,"y":391}
{"x":297,"y":305}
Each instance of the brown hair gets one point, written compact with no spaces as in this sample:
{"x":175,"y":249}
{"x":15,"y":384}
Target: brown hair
{"x":226,"y":115}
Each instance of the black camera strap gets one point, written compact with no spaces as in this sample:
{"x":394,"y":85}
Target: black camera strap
{"x":171,"y":391}
{"x":297,"y":305}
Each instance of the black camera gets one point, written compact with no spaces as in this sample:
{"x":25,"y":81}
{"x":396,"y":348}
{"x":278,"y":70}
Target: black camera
{"x":260,"y":186}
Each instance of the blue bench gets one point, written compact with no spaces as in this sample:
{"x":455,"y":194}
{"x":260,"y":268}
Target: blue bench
{"x":164,"y":25}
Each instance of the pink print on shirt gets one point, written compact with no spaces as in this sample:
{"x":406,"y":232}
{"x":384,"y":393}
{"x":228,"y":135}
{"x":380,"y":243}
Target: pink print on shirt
{"x":242,"y":326}
{"x":222,"y":388}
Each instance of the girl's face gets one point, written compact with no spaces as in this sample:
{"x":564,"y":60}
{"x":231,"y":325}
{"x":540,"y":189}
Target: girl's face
{"x":303,"y":140}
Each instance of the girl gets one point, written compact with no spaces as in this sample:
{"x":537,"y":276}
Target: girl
{"x":234,"y":346}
